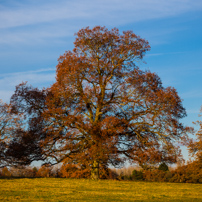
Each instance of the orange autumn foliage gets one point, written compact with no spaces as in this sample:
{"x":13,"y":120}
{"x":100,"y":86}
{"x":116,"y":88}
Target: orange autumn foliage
{"x":43,"y":171}
{"x":73,"y":171}
{"x":103,"y":110}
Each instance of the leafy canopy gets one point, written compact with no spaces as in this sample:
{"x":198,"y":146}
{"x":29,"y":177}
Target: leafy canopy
{"x":103,"y":109}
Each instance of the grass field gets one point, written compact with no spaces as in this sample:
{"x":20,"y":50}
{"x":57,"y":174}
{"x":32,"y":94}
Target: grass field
{"x":54,"y":189}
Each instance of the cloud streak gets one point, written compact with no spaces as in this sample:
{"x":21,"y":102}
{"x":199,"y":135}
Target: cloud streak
{"x":40,"y":78}
{"x":35,"y":22}
{"x":192,"y":94}
{"x":29,"y":13}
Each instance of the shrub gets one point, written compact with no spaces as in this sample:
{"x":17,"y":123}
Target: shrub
{"x":44,"y":172}
{"x":163,"y":167}
{"x":5,"y":172}
{"x":73,"y":171}
{"x":34,"y":170}
{"x":137,"y":175}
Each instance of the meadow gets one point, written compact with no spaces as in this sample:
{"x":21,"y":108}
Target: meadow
{"x":61,"y":189}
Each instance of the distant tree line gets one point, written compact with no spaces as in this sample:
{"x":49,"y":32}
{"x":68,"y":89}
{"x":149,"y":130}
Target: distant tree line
{"x":190,"y":173}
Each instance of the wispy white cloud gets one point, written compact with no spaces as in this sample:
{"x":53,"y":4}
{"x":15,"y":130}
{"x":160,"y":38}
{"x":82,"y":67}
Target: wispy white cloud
{"x":39,"y":78}
{"x":166,"y":53}
{"x":197,"y":93}
{"x":26,"y":14}
{"x":193,"y":111}
{"x":37,"y":35}
{"x":29,"y":14}
{"x":52,"y":19}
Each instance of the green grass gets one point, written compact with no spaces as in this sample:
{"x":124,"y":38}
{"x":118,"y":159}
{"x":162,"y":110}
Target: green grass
{"x":53,"y":189}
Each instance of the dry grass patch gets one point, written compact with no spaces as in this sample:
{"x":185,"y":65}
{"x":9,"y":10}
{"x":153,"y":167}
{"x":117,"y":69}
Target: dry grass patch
{"x":54,"y":189}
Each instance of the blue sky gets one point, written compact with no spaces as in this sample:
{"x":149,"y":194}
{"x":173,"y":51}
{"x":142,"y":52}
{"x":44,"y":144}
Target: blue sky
{"x":34,"y":33}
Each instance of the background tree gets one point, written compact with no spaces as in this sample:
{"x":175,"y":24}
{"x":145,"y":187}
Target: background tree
{"x":195,"y":146}
{"x":27,"y":103}
{"x":103,"y":109}
{"x":5,"y":172}
{"x":9,"y":124}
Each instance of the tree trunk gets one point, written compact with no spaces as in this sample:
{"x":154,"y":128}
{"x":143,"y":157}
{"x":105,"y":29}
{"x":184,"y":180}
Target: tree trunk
{"x":95,"y":170}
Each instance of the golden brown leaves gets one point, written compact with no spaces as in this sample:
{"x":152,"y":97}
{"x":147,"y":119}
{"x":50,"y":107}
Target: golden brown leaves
{"x":103,"y":108}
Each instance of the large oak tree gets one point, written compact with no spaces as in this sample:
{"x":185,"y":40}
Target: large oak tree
{"x":103,"y":110}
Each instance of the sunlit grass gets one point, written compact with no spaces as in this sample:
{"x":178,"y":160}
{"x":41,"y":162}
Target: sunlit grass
{"x":54,"y":189}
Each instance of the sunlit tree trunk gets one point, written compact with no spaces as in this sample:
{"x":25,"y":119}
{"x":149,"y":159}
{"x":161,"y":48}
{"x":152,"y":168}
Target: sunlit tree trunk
{"x":95,"y":170}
